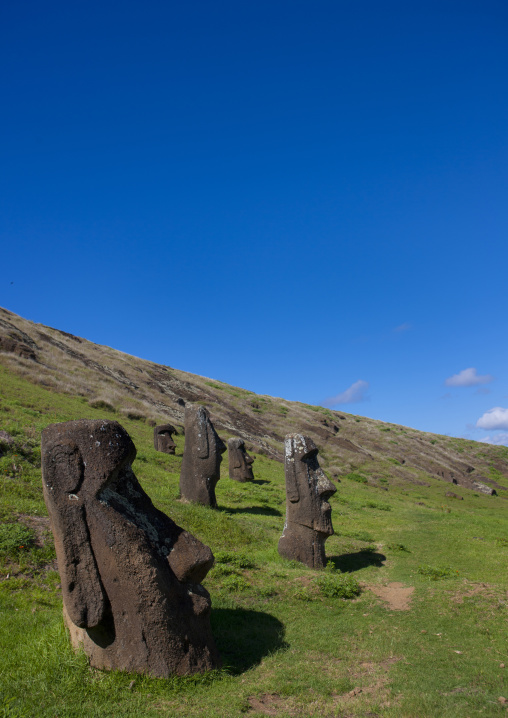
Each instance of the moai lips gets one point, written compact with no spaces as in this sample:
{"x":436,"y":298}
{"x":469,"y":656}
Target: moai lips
{"x":202,"y":457}
{"x":163,"y":438}
{"x":131,"y":578}
{"x":240,"y":463}
{"x":308,"y":513}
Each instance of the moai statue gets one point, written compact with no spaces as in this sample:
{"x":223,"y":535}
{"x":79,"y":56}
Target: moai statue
{"x":163,"y":438}
{"x":308,"y":513}
{"x":240,"y":463}
{"x":131,"y":578}
{"x":202,"y":457}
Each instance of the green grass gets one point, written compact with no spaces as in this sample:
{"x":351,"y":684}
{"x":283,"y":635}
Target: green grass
{"x":355,"y":476}
{"x":295,"y":640}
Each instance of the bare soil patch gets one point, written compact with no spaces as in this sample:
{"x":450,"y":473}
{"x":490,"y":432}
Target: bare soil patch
{"x":372,"y":679}
{"x":267,"y":703}
{"x":395,"y":594}
{"x":470,"y":590}
{"x":39,"y":525}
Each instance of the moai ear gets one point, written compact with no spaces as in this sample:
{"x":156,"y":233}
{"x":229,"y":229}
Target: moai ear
{"x":235,"y":450}
{"x":237,"y":462}
{"x":83,"y":593}
{"x":202,"y":437}
{"x":63,"y":468}
{"x":290,"y":470}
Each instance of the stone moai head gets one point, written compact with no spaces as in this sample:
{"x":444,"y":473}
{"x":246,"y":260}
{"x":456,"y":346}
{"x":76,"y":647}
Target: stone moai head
{"x":131,"y":578}
{"x":163,"y":438}
{"x":202,"y":457}
{"x":308,"y":513}
{"x":240,"y":463}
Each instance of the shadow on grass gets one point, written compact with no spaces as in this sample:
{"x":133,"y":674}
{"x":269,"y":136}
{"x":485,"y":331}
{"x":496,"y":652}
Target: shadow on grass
{"x":263,"y":510}
{"x":244,"y":637}
{"x":350,"y":562}
{"x":259,"y":482}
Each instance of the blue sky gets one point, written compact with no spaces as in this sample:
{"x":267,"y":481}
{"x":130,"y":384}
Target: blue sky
{"x":305,"y":199}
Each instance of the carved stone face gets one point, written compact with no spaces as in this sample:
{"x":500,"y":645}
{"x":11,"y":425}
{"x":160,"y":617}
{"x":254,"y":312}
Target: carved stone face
{"x":130,"y":576}
{"x":163,"y":438}
{"x":308,"y":513}
{"x":307,"y":486}
{"x":240,"y":463}
{"x":202,"y":457}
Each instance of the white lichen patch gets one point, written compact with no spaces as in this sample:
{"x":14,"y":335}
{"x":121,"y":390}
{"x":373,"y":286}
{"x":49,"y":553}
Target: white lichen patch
{"x":109,"y":496}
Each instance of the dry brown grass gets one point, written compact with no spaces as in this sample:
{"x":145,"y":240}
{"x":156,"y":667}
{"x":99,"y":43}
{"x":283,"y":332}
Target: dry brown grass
{"x":150,"y":391}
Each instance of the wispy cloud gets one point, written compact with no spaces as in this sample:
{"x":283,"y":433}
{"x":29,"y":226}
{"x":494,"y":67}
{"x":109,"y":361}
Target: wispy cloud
{"x":496,"y":418}
{"x":483,"y":391}
{"x":499,"y":439}
{"x":403,"y":327}
{"x":355,"y":393}
{"x":468,"y":377}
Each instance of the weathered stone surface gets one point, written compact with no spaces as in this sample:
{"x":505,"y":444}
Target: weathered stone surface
{"x":484,"y":489}
{"x":131,"y":578}
{"x":452,"y":495}
{"x":308,"y":513}
{"x":202,"y":457}
{"x":163,"y":438}
{"x":240,"y":463}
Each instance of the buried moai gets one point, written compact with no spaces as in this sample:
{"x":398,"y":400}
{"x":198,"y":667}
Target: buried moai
{"x":308,"y":513}
{"x":163,"y":438}
{"x":202,"y":457}
{"x":240,"y":463}
{"x":131,"y":578}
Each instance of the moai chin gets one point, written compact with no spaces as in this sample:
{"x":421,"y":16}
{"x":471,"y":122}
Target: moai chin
{"x":163,"y":438}
{"x":202,"y":457}
{"x":131,"y":578}
{"x":240,"y":463}
{"x":308,"y":513}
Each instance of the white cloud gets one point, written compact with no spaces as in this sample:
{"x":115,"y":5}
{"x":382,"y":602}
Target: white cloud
{"x":499,"y":439}
{"x":496,"y":418}
{"x":356,"y":392}
{"x":403,"y":327}
{"x":468,"y":377}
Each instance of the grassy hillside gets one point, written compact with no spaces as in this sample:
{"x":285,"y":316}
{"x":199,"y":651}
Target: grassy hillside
{"x":409,"y":620}
{"x":133,"y":387}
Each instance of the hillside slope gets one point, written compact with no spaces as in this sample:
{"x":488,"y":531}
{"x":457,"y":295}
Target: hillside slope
{"x":407,"y":619}
{"x":372,"y":450}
